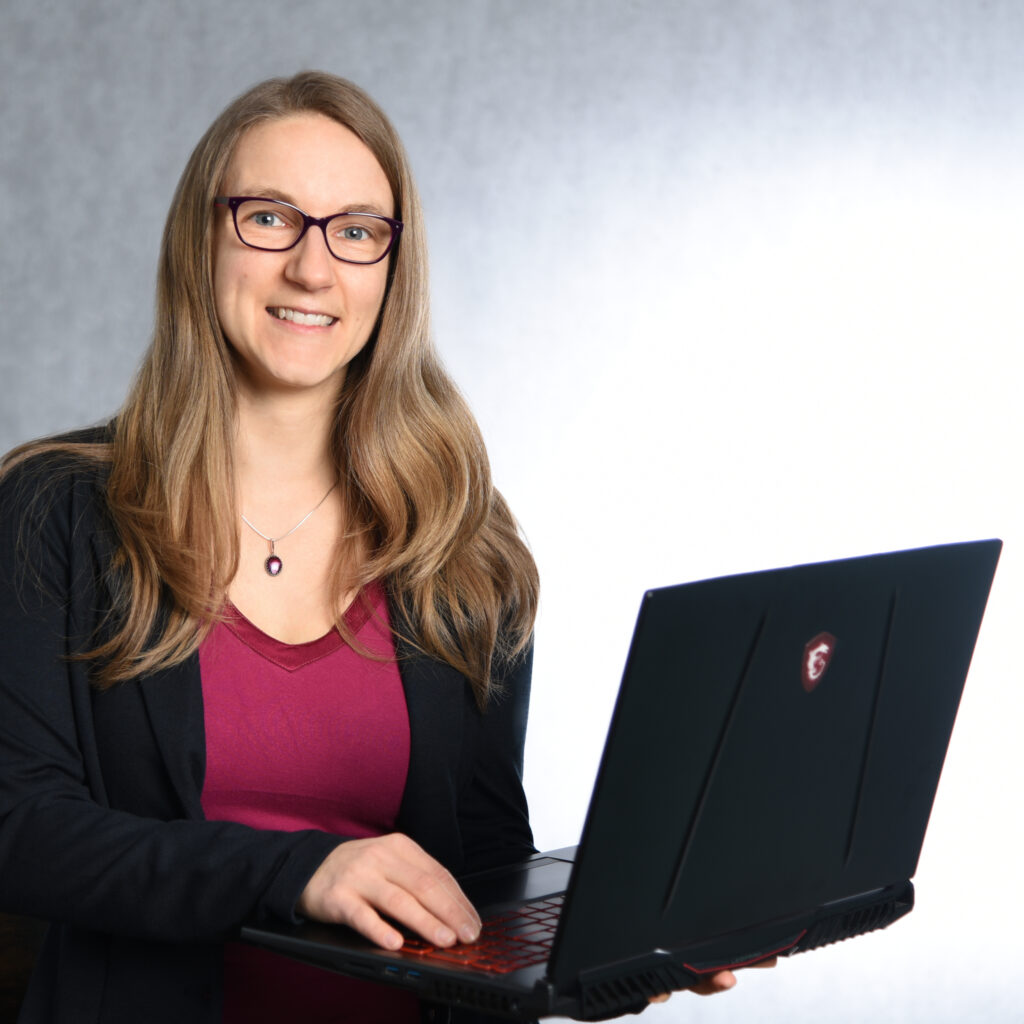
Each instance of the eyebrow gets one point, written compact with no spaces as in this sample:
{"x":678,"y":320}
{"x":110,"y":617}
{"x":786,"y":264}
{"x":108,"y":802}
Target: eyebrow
{"x":285,"y":197}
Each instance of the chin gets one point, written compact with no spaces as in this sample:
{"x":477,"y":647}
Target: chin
{"x":305,"y":379}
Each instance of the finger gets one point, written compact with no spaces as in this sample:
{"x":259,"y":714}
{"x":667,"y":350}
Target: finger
{"x":365,"y":920}
{"x":389,"y":875}
{"x":399,"y":879}
{"x":428,"y":896}
{"x":720,"y":981}
{"x":407,"y":909}
{"x":362,"y":908}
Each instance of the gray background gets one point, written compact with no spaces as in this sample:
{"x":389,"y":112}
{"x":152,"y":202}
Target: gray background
{"x":729,"y":285}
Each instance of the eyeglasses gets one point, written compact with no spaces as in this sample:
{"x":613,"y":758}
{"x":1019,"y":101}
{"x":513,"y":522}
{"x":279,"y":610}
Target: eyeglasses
{"x":274,"y":226}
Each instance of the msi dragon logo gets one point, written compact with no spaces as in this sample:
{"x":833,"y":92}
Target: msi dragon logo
{"x":817,"y":655}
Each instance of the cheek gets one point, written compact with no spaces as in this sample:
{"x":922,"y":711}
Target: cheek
{"x":231,"y":282}
{"x":373,"y":295}
{"x":365,"y":304}
{"x":222,"y":267}
{"x":221,"y":276}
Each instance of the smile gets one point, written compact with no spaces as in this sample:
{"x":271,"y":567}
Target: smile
{"x":298,"y":317}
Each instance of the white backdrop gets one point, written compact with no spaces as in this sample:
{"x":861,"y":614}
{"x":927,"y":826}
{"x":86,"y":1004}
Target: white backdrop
{"x":730,"y":285}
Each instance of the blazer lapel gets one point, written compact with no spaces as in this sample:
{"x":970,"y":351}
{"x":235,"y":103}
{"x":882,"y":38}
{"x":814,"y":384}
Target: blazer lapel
{"x":173,"y":697}
{"x":174,"y":704}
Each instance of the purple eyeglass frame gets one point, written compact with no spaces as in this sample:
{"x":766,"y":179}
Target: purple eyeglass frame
{"x":233,"y":202}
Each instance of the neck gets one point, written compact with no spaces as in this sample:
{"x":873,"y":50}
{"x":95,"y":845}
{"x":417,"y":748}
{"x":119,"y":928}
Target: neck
{"x":283,"y":447}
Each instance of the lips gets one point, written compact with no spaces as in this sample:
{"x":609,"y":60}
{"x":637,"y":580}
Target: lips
{"x":298,"y":316}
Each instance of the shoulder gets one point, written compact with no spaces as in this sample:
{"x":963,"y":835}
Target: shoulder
{"x":53,"y":494}
{"x":511,"y":672}
{"x":55,"y":467}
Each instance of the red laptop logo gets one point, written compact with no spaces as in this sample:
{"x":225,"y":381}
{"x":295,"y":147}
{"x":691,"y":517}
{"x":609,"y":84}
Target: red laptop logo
{"x":817,"y":655}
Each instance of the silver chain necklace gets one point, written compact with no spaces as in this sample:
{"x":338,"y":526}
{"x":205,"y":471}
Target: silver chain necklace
{"x":273,"y":564}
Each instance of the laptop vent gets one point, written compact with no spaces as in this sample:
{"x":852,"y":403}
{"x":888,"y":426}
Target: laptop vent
{"x":857,"y":922}
{"x":455,"y":994}
{"x":603,"y":999}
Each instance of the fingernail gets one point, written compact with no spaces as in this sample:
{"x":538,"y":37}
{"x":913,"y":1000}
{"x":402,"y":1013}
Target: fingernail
{"x":394,"y":941}
{"x":444,"y":936}
{"x":468,"y":933}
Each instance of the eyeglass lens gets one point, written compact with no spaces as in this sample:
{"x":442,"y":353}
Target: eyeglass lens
{"x":358,"y":238}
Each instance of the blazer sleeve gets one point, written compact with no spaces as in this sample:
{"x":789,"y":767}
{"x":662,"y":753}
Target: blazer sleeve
{"x":65,"y":853}
{"x":494,"y":821}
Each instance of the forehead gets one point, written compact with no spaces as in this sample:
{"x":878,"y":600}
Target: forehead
{"x":309,"y":160}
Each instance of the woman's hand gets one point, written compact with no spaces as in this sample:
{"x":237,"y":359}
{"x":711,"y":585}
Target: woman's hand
{"x":364,"y":878}
{"x":720,"y":981}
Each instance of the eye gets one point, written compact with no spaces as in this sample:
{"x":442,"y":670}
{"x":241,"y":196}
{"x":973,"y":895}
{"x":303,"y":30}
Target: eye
{"x":266,"y":224}
{"x":265,"y":215}
{"x":359,"y":237}
{"x":352,"y":229}
{"x":355,"y":233}
{"x":266,"y":219}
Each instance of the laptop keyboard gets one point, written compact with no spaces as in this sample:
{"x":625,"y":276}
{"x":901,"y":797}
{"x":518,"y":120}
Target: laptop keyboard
{"x":508,"y":941}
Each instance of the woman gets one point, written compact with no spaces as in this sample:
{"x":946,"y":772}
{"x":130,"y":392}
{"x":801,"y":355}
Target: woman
{"x":276,"y":602}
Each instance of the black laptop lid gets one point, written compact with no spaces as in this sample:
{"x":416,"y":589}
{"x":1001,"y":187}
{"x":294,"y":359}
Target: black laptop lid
{"x":776,"y":746}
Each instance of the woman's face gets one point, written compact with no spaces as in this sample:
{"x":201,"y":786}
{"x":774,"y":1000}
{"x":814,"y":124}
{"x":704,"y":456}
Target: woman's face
{"x":295,"y":319}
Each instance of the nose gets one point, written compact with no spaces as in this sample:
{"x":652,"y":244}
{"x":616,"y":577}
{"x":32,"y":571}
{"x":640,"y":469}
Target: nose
{"x":310,"y":264}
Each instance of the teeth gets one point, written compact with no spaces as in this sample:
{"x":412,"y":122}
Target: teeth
{"x":309,"y":319}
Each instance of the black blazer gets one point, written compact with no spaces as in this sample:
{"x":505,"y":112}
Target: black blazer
{"x":101,"y":827}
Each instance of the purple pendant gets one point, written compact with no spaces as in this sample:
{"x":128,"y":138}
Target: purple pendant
{"x":272,"y":565}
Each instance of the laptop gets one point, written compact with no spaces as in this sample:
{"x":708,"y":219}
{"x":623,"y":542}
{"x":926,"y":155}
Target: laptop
{"x":764,"y":790}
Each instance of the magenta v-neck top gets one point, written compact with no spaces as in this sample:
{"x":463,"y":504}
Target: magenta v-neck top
{"x":299,"y":736}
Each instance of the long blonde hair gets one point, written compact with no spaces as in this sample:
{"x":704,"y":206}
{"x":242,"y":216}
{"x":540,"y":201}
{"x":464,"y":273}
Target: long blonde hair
{"x":420,"y":510}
